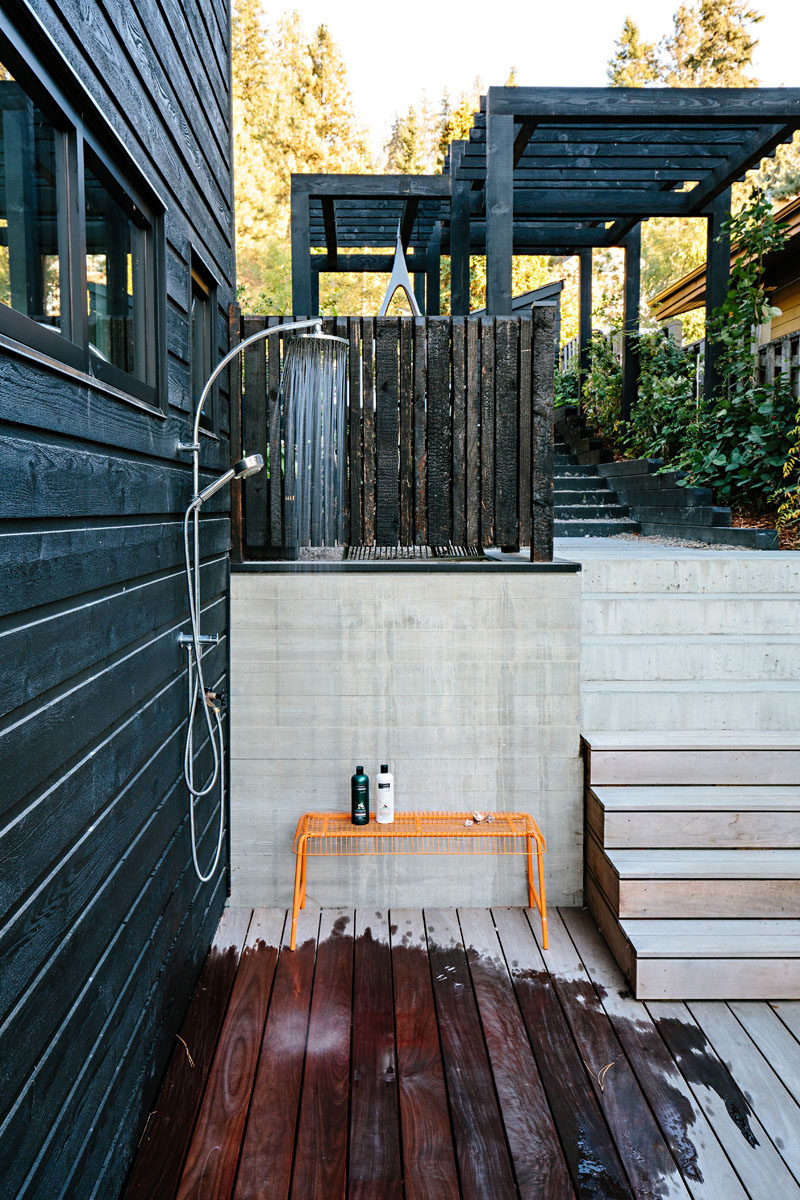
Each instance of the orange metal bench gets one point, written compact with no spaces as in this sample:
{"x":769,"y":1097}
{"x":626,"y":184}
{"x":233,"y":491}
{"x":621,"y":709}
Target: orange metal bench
{"x":321,"y":834}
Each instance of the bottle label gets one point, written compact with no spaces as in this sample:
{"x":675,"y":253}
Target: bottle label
{"x":382,"y":785}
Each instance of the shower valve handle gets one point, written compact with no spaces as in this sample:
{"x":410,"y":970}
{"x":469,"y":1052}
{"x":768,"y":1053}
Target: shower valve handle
{"x":205,"y":639}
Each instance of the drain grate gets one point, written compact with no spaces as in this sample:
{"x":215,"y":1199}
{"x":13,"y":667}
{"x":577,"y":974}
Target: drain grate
{"x":385,"y":553}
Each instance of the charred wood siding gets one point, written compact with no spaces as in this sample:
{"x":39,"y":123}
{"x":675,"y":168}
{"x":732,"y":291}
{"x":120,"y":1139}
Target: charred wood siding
{"x":103,"y":925}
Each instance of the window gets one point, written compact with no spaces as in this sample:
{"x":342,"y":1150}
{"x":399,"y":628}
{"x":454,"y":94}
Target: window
{"x":202,"y":324}
{"x":78,"y":247}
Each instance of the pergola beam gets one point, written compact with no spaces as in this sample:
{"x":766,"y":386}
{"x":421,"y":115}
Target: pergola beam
{"x":499,"y":212}
{"x":757,"y":147}
{"x":522,"y":137}
{"x":376,"y":263}
{"x":630,"y":330}
{"x":366,"y":187}
{"x":718,"y":264}
{"x":660,"y":105}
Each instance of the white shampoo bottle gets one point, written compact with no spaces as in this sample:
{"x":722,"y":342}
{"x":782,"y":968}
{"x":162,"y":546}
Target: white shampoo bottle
{"x":385,"y":797}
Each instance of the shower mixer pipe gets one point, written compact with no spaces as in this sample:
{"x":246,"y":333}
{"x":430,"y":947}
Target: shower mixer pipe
{"x":194,"y":641}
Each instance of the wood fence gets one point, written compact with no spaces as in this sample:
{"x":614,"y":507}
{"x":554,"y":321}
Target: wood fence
{"x":449,"y":432}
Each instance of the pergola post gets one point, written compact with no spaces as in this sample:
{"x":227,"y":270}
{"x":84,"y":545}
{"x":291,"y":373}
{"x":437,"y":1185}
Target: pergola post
{"x":499,"y":210}
{"x":314,"y":310}
{"x":718,"y":269}
{"x":433,"y":289}
{"x":419,"y":290}
{"x":459,"y":236}
{"x":301,"y":253}
{"x":585,"y":314}
{"x":630,"y":338}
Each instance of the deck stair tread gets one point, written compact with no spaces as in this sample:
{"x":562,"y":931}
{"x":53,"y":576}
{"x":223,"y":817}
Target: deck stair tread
{"x":682,"y":739}
{"x":697,"y":864}
{"x":719,"y":798}
{"x":694,"y":938}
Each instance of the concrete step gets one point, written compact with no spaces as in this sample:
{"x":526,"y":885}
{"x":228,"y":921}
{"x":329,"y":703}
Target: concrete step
{"x":583,"y":496}
{"x":698,"y":571}
{"x":586,"y":527}
{"x":688,"y":705}
{"x":580,"y":470}
{"x":657,"y":614}
{"x":655,"y":757}
{"x":681,"y":657}
{"x":696,"y":884}
{"x":590,"y":509}
{"x":700,"y":817}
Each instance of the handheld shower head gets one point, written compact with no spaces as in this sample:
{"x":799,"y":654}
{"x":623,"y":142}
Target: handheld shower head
{"x":240,"y":470}
{"x":251,"y":464}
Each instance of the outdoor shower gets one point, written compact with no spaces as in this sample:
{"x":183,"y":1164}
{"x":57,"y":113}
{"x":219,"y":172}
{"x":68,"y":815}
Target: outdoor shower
{"x":313,"y":385}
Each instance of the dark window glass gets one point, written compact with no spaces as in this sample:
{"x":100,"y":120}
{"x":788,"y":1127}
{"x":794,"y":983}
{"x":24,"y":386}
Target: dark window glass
{"x":30,"y":251}
{"x":202,"y":335}
{"x":114,"y":261}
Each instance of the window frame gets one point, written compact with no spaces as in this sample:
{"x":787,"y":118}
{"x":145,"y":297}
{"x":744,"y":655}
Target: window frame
{"x":202,"y":277}
{"x":82,"y":132}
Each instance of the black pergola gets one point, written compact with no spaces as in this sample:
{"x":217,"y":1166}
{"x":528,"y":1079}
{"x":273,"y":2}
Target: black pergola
{"x":563,"y":170}
{"x":346,"y":213}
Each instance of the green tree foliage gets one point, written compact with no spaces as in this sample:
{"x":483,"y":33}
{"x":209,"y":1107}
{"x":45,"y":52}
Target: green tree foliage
{"x":635,"y":63}
{"x":711,"y":45}
{"x":292,"y":112}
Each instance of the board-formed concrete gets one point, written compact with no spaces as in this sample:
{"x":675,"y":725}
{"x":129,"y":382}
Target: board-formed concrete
{"x":466,"y":684}
{"x":683,"y":639}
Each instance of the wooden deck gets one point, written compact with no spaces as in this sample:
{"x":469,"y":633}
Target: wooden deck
{"x":441,"y":1054}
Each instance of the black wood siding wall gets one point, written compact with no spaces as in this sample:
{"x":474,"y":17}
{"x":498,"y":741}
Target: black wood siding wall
{"x":103,"y":925}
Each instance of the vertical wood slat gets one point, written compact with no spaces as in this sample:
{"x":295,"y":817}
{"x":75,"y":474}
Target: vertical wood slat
{"x":341,"y":330}
{"x":440,"y":433}
{"x":505,"y":451}
{"x":473,"y":442}
{"x":387,"y":431}
{"x":235,"y":402}
{"x":487,"y":432}
{"x":525,"y":436}
{"x":459,"y":431}
{"x":368,"y":422}
{"x":406,"y":435}
{"x":355,"y":464}
{"x":275,"y":433}
{"x":254,"y":436}
{"x":420,"y":433}
{"x":542,"y":406}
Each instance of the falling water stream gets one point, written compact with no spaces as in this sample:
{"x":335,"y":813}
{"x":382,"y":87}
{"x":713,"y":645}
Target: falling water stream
{"x":314,"y":386}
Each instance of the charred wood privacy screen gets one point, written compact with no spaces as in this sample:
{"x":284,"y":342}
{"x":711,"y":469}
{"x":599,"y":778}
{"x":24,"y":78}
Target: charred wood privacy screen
{"x":449,"y":432}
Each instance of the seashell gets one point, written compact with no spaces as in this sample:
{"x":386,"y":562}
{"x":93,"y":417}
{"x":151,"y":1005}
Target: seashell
{"x":468,"y":822}
{"x":478,"y":817}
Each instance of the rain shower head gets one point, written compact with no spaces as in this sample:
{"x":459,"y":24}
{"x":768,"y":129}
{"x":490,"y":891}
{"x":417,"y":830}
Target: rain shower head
{"x":240,"y":470}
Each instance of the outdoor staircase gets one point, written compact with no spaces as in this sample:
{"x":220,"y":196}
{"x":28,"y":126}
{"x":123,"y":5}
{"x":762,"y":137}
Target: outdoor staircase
{"x":693,"y":861}
{"x":584,"y":506}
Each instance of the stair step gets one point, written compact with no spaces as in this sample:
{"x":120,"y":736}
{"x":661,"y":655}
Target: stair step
{"x":685,"y":757}
{"x":587,"y":495}
{"x":709,"y":959}
{"x":590,"y":510}
{"x":585,"y":527}
{"x":681,"y":657}
{"x":661,"y":614}
{"x":692,"y":704}
{"x":694,"y":817}
{"x":655,"y":883}
{"x":577,"y":470}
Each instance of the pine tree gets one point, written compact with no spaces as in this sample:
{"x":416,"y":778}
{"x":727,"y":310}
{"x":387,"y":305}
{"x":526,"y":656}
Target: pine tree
{"x":635,"y":62}
{"x":712,"y":45}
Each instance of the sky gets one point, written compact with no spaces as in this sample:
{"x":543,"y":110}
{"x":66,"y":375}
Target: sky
{"x":395,"y":52}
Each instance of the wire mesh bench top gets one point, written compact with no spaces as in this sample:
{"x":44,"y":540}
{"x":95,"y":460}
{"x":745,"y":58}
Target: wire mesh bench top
{"x":333,"y":834}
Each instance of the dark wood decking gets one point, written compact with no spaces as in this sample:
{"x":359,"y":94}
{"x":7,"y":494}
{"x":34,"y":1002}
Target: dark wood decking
{"x":441,"y":1054}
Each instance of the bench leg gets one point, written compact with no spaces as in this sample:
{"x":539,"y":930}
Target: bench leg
{"x":543,"y":901}
{"x":303,"y":880}
{"x":298,"y":876}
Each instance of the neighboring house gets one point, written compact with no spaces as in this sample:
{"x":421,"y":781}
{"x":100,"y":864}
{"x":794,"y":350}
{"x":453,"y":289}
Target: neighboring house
{"x":546,"y":296}
{"x":782,"y":276}
{"x":116,"y":271}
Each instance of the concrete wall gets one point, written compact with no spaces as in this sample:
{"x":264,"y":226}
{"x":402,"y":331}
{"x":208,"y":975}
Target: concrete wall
{"x":690,"y":640}
{"x":465,"y":681}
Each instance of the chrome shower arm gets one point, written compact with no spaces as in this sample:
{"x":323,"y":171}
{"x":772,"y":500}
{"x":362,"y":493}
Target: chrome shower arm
{"x":312,"y":323}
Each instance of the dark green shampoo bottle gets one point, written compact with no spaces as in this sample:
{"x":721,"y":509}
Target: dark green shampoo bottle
{"x":359,"y":798}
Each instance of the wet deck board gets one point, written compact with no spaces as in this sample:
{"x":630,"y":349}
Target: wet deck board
{"x":413,"y":1055}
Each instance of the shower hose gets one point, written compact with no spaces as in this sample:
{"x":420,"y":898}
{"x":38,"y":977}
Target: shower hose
{"x":197,"y":695}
